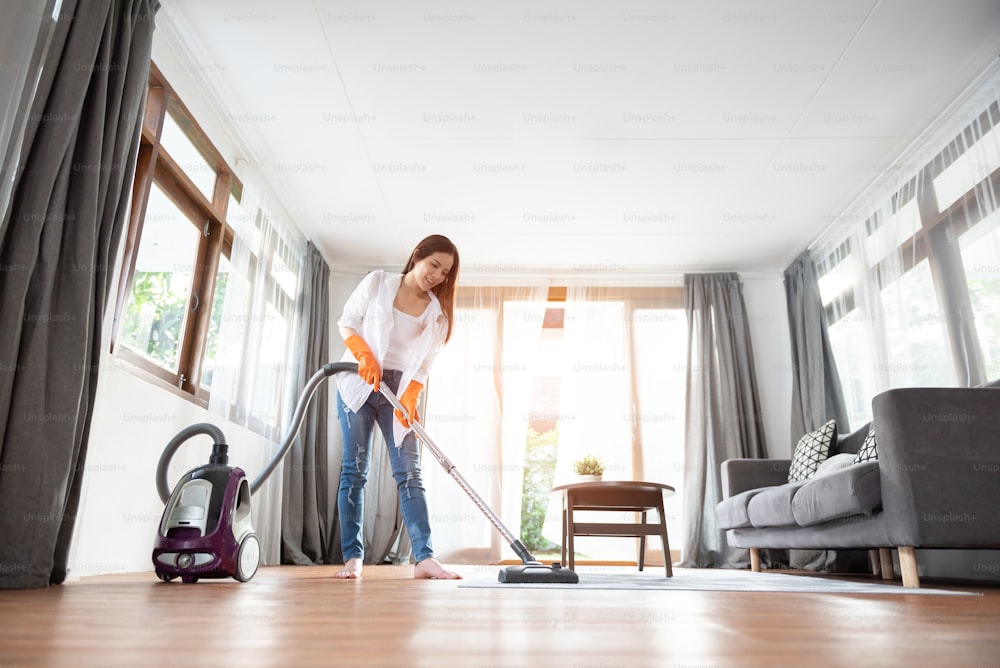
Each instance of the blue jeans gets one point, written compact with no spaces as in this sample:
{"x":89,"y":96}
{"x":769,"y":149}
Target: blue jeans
{"x":357,"y":428}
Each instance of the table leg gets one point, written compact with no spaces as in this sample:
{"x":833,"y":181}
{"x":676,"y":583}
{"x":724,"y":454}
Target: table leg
{"x":569,"y":531}
{"x":642,"y":545}
{"x":565,"y":533}
{"x":666,"y":541}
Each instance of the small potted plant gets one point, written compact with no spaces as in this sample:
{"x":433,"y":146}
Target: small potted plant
{"x":588,"y":469}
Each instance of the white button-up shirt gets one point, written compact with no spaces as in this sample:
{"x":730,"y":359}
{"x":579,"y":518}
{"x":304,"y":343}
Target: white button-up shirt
{"x":369,"y":312}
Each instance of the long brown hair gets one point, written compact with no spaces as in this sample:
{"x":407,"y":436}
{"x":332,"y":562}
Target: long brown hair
{"x":444,"y":291}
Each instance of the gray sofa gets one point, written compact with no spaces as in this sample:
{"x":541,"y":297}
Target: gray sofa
{"x":935,"y":484}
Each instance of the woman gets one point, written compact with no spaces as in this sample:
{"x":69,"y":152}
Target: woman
{"x":393,"y":325}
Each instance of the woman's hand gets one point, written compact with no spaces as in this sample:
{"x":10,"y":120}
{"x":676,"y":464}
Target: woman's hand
{"x":368,"y":367}
{"x":409,"y":400}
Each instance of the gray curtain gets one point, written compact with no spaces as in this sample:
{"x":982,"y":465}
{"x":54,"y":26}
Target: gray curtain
{"x":58,"y":245}
{"x":816,"y":393}
{"x":306,"y":523}
{"x":722,"y":411}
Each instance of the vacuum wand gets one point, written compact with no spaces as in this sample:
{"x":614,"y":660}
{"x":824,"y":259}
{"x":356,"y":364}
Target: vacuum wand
{"x":452,"y":470}
{"x":530,"y":570}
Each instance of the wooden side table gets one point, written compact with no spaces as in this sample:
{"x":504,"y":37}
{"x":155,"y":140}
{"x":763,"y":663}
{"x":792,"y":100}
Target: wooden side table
{"x":622,"y":496}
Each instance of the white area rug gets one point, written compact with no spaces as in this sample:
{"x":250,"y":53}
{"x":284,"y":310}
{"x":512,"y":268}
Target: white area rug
{"x":711,"y":579}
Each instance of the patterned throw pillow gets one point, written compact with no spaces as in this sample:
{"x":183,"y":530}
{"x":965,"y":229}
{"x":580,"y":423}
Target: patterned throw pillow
{"x":869,"y":450}
{"x":811,"y":450}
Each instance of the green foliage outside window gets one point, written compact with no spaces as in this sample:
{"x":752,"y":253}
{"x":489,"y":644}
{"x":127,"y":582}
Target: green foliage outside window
{"x":155,"y":315}
{"x":985,"y":296}
{"x":539,"y":472}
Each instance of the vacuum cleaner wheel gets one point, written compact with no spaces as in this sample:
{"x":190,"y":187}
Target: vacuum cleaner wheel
{"x":248,"y":558}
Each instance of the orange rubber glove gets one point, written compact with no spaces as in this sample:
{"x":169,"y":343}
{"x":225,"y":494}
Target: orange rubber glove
{"x":409,"y":401}
{"x":368,"y":367}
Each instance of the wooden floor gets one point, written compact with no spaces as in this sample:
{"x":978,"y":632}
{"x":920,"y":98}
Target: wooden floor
{"x":301,"y":616}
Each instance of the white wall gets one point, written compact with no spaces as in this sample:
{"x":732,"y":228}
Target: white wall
{"x":765,"y":302}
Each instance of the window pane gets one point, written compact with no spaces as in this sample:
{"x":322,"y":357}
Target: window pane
{"x":892,"y":233}
{"x":837,"y":280}
{"x":915,"y":338}
{"x":271,"y":366}
{"x":851,"y":341}
{"x":978,"y":162}
{"x":161,"y":286}
{"x":211,"y":347}
{"x":542,"y":444}
{"x":660,"y":343}
{"x":284,"y":270}
{"x":190,"y":159}
{"x":905,"y":345}
{"x":981,"y":259}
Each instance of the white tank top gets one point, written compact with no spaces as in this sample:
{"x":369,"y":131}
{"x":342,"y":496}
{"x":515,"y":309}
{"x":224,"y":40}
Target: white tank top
{"x":406,"y":329}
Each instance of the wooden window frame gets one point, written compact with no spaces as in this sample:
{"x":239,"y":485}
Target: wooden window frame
{"x":154,"y":165}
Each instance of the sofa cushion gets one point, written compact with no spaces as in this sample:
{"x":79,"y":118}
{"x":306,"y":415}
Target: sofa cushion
{"x":812,"y":449}
{"x":731,"y":513}
{"x":869,"y":449}
{"x":855,"y":490}
{"x":834,"y":463}
{"x":772,"y":506}
{"x":852,"y":441}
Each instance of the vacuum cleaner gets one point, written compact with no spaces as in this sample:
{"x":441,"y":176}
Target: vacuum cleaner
{"x":207,"y":532}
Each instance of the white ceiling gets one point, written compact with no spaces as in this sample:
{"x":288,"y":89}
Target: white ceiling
{"x":578,"y":136}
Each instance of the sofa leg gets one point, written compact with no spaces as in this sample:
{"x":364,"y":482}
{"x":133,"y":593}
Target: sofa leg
{"x":875,"y":562}
{"x":755,"y":559}
{"x":908,"y":565}
{"x":885,"y":557}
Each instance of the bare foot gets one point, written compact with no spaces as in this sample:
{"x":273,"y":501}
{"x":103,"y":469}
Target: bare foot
{"x":351,"y":570}
{"x":430,"y":569}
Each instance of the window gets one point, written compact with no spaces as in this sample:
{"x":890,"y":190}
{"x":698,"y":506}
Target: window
{"x":609,"y":381}
{"x":161,"y":283}
{"x":175,"y":273}
{"x":659,"y":344}
{"x":981,"y":259}
{"x":911,"y":294}
{"x":508,"y":401}
{"x":265,"y":270}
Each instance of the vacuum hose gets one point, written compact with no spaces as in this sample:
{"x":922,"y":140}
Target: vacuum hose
{"x":220,"y":456}
{"x":220,"y":448}
{"x":220,"y":452}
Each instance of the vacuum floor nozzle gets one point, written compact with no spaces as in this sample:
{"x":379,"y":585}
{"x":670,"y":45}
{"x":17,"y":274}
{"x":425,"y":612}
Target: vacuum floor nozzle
{"x":535,"y":572}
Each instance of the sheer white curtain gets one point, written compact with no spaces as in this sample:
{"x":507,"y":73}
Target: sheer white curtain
{"x":597,"y":407}
{"x":879,"y":295}
{"x":477,"y":407}
{"x":906,"y":277}
{"x":257,"y":356}
{"x":257,"y":361}
{"x":596,"y":397}
{"x":659,"y":371}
